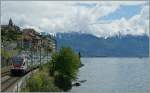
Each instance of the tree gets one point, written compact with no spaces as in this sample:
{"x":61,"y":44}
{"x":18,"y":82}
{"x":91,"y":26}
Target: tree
{"x":50,"y":49}
{"x":64,"y":66}
{"x":10,"y":34}
{"x":67,"y":63}
{"x":52,"y":63}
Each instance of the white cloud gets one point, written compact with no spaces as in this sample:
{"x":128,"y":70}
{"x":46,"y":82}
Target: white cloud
{"x":63,"y":16}
{"x":136,"y":25}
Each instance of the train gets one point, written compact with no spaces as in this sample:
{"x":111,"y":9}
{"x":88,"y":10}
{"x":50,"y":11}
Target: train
{"x":21,"y":64}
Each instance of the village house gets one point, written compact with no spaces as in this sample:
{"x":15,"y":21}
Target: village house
{"x":30,"y":39}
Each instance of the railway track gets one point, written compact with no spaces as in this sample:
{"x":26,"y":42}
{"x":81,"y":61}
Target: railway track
{"x":5,"y":73}
{"x":8,"y":82}
{"x":5,"y":85}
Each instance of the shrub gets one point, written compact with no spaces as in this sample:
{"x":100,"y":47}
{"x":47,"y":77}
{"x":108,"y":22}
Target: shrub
{"x":34,"y":83}
{"x":64,"y":66}
{"x":67,"y":63}
{"x":41,"y":82}
{"x":63,"y":82}
{"x":52,"y":63}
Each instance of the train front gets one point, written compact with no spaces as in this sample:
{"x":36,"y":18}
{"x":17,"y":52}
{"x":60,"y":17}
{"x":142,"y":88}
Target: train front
{"x":18,"y":65}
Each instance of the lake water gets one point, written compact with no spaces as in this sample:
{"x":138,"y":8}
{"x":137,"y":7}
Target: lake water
{"x":114,"y":75}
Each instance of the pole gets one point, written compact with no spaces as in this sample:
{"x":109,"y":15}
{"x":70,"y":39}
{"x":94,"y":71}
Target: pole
{"x":55,"y":44}
{"x":40,"y":51}
{"x":22,"y":43}
{"x":31,"y":55}
{"x":47,"y":53}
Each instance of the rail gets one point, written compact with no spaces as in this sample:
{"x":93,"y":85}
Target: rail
{"x":8,"y":83}
{"x":15,"y":84}
{"x":5,"y":73}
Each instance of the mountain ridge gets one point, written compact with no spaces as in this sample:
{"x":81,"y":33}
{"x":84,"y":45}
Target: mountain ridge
{"x":116,"y":46}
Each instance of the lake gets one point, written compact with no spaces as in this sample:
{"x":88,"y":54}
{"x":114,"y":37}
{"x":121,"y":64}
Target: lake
{"x":114,"y":75}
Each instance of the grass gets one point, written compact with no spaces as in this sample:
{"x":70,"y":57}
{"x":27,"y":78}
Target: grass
{"x":41,"y":81}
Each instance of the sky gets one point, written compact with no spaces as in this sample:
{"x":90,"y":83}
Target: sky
{"x":99,"y":18}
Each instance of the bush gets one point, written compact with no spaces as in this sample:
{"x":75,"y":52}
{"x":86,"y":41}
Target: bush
{"x":52,"y":64}
{"x":35,"y":83}
{"x":41,"y":82}
{"x":67,"y":63}
{"x":63,"y":82}
{"x":48,"y":84}
{"x":64,"y":66}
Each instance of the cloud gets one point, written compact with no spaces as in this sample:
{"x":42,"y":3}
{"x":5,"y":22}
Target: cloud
{"x":136,"y":25}
{"x":53,"y":16}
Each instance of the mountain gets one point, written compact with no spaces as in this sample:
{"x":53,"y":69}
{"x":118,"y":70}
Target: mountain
{"x":117,"y":46}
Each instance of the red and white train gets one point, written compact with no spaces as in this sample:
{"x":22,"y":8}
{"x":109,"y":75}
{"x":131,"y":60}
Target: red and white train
{"x":21,"y":65}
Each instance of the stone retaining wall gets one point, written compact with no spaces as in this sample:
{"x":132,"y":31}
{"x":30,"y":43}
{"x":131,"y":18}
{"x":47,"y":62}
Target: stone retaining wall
{"x":22,"y":82}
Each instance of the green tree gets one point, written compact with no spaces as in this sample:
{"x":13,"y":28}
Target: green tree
{"x":52,"y":63}
{"x":65,"y":65}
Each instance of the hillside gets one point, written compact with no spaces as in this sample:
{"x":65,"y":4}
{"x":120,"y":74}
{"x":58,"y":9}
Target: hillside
{"x":117,"y":46}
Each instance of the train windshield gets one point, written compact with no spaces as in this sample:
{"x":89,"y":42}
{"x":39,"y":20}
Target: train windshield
{"x":17,"y":60}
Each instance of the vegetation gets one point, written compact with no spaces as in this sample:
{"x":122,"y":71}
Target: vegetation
{"x":64,"y":67}
{"x":57,"y":75}
{"x":67,"y":63}
{"x":9,"y":53}
{"x":14,"y":40}
{"x":10,"y":34}
{"x":41,"y":82}
{"x":52,"y":64}
{"x":6,"y":55}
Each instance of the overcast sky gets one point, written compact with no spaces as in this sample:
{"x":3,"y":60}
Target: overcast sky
{"x":100,"y":18}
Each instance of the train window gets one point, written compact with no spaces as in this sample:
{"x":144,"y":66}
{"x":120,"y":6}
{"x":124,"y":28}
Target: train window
{"x":17,"y":60}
